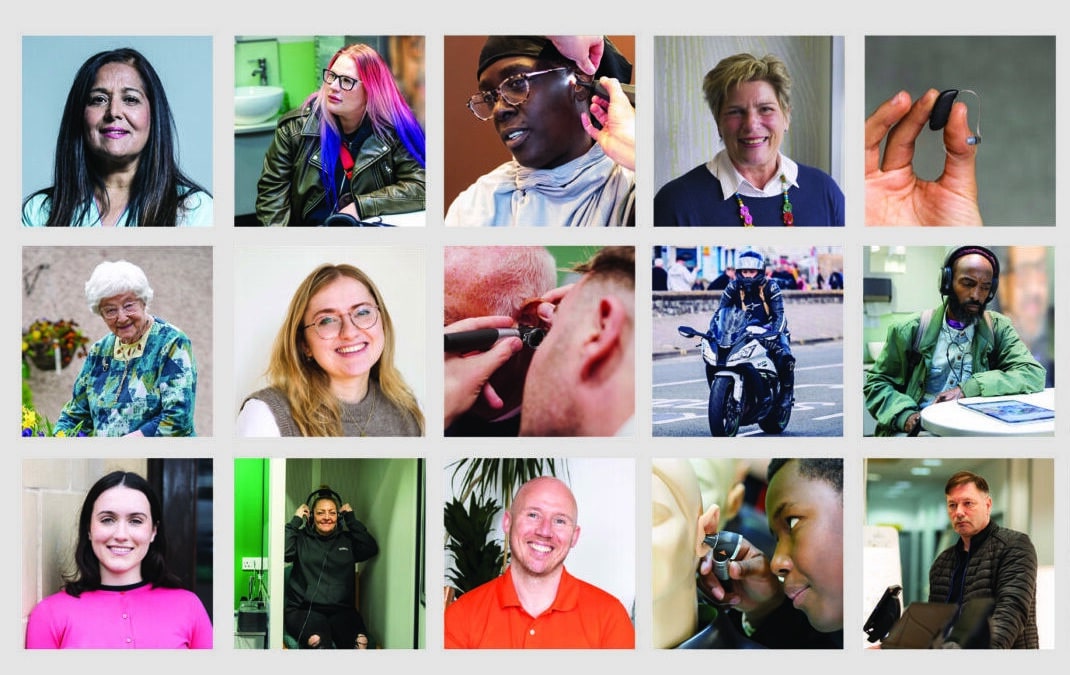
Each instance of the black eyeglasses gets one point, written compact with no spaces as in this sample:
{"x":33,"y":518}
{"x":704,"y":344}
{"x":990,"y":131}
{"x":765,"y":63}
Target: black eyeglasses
{"x":329,"y":326}
{"x":513,"y":90}
{"x":344,"y":81}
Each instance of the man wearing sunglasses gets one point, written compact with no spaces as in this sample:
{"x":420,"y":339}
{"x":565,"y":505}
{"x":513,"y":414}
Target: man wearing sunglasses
{"x":535,"y":98}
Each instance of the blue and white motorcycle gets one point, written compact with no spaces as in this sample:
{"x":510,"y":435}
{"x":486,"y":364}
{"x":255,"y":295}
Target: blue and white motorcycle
{"x":744,"y":386}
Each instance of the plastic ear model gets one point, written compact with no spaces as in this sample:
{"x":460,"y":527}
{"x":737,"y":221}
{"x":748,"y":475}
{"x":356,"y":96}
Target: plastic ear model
{"x":942,"y":111}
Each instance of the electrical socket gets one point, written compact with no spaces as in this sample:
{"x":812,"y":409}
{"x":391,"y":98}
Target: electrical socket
{"x":253,"y":564}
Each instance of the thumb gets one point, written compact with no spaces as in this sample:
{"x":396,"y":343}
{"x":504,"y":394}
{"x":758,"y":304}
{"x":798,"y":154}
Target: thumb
{"x":483,"y":365}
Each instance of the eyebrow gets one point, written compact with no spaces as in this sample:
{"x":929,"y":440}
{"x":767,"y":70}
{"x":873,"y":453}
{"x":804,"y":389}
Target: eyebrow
{"x":332,"y":310}
{"x":114,"y":513}
{"x":105,"y":90}
{"x":507,"y":72}
{"x":781,"y":507}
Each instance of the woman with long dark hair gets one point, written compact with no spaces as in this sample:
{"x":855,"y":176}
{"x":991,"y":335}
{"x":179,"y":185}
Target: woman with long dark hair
{"x":115,"y":160}
{"x":122,"y":594}
{"x":354,"y":147}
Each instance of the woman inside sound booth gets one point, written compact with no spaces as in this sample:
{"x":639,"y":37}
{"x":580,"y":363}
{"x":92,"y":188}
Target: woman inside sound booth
{"x":324,"y":540}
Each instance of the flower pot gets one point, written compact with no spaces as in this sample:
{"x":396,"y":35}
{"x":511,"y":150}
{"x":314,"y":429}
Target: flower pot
{"x":46,"y":361}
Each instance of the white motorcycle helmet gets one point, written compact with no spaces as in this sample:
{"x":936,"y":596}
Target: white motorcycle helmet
{"x":750,"y":260}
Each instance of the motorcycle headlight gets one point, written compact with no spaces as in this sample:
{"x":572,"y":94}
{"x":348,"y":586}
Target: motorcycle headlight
{"x":707,"y":352}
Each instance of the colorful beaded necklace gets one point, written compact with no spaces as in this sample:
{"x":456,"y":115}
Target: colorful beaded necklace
{"x":786,"y":214}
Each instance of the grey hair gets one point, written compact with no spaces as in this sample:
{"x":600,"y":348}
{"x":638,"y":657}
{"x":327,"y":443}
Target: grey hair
{"x":484,"y":280}
{"x":112,"y":278}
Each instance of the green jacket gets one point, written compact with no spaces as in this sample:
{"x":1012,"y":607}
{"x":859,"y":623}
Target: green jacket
{"x":386,"y":178}
{"x":1002,"y":365}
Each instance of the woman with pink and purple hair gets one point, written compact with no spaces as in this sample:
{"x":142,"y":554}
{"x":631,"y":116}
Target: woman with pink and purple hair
{"x":354,"y":147}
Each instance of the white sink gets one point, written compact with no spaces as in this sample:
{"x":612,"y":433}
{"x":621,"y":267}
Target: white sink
{"x":256,"y":104}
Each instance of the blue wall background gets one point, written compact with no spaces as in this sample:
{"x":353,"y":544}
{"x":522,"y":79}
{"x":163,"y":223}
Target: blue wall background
{"x":49,"y":64}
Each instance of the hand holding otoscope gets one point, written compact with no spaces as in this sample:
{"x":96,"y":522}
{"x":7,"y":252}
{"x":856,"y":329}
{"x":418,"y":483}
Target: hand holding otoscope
{"x":482,"y":339}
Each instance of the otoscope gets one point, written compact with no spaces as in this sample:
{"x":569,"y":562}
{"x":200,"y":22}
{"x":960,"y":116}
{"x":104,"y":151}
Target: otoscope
{"x":482,"y":339}
{"x":725,"y":547}
{"x":597,"y":89}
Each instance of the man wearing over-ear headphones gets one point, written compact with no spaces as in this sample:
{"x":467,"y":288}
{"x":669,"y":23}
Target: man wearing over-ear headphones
{"x":324,"y":542}
{"x":956,"y":350}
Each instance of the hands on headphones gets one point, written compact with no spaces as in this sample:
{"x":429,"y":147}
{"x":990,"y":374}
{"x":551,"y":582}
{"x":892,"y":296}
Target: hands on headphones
{"x":305,"y":510}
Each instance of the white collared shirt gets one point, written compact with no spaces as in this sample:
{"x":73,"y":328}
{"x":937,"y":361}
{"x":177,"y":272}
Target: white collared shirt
{"x":732,"y":181}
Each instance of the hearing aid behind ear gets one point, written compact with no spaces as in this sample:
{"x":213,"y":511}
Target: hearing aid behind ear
{"x":597,"y":89}
{"x":942,"y":111}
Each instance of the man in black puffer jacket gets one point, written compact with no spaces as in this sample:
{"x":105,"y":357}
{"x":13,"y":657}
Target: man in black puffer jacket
{"x":988,"y":561}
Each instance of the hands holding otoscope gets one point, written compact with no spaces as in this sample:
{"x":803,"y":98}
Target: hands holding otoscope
{"x":476,"y":347}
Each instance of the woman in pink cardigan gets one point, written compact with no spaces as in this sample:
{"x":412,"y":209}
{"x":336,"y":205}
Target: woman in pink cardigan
{"x":122,"y":595}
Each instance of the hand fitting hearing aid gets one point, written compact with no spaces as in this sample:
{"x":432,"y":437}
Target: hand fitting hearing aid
{"x":942,"y":111}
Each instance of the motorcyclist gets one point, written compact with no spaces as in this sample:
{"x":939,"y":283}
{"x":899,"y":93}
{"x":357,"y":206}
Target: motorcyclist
{"x":751,"y":290}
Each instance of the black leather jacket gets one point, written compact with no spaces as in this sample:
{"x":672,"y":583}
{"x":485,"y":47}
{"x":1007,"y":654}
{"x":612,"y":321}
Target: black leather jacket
{"x":386,"y":178}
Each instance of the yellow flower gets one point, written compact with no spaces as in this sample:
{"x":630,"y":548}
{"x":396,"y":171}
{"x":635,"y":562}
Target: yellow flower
{"x":61,"y":434}
{"x":29,"y":418}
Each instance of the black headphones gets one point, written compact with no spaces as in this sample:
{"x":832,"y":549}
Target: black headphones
{"x":323,"y":493}
{"x":947,"y":275}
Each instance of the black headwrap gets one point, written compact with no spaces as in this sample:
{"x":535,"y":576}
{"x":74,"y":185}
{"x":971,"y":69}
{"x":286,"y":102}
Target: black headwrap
{"x":613,"y":63}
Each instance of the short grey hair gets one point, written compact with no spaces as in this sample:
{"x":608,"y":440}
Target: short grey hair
{"x":112,"y":278}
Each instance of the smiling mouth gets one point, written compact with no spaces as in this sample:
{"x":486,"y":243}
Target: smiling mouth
{"x":797,"y":595}
{"x":352,"y":349}
{"x":120,"y":550}
{"x":753,"y":142}
{"x":112,"y":132}
{"x":514,"y":137}
{"x":541,"y":548}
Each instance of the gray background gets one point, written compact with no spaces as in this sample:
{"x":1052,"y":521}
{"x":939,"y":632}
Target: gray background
{"x":685,"y":133}
{"x":181,"y":280}
{"x":1015,"y":77}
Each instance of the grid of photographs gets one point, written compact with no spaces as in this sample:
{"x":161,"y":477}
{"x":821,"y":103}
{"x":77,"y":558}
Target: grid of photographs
{"x":637,"y":439}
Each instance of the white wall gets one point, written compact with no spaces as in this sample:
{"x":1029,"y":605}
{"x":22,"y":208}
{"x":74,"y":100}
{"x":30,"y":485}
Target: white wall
{"x":265,"y":278}
{"x":605,"y":554}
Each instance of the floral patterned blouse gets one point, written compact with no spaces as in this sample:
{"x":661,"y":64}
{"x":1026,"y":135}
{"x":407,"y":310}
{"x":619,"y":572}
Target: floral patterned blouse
{"x":149,"y":385}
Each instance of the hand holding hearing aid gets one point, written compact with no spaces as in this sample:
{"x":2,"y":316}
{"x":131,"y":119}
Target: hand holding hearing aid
{"x":895,"y":195}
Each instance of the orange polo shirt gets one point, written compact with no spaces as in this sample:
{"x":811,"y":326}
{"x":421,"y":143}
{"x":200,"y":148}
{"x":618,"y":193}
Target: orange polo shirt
{"x":582,"y":616}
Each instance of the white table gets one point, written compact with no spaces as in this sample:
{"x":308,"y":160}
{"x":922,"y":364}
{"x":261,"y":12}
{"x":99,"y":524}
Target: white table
{"x":413,"y":219}
{"x":950,"y":418}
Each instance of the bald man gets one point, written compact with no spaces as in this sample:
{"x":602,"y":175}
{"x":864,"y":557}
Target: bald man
{"x":536,"y":603}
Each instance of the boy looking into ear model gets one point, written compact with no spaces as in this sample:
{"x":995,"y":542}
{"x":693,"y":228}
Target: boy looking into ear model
{"x":794,"y":599}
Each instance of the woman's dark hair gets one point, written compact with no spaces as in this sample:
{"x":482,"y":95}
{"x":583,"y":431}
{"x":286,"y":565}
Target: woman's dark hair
{"x":153,"y":566}
{"x":154,"y":193}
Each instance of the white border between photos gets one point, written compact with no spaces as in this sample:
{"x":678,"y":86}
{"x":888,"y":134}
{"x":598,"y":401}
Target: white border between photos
{"x":435,"y":20}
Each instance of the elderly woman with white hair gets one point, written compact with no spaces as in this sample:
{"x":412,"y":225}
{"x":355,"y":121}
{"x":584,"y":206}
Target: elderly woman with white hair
{"x":140,"y":379}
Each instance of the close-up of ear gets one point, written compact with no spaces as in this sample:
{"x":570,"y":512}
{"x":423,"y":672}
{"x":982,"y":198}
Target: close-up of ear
{"x":707,"y":524}
{"x":603,"y":344}
{"x":581,"y":86}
